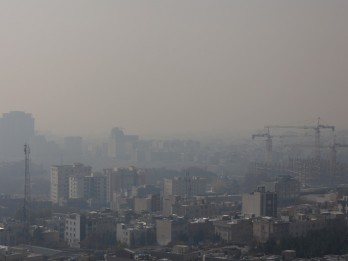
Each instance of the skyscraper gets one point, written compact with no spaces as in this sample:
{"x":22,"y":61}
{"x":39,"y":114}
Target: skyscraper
{"x":16,"y":129}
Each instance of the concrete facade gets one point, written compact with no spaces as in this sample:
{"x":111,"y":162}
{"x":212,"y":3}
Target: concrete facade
{"x":259,"y":203}
{"x":234,"y":231}
{"x":60,"y":183}
{"x":188,"y":186}
{"x":286,"y":187}
{"x":72,"y":234}
{"x":169,"y":230}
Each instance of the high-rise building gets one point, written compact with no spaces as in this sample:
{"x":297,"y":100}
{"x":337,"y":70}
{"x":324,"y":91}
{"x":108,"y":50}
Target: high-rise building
{"x":121,"y":181}
{"x":16,"y":129}
{"x":286,"y":187}
{"x":76,"y":187}
{"x":60,"y":181}
{"x":89,"y":188}
{"x":259,"y":203}
{"x":95,"y":188}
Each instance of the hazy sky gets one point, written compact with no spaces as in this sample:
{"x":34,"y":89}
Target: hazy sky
{"x":174,"y":67}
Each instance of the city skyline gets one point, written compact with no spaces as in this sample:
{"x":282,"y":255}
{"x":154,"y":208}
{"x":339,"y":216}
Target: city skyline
{"x":173,"y":130}
{"x":200,"y":135}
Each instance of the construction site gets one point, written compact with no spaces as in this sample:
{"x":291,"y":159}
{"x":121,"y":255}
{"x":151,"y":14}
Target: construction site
{"x":309,"y":154}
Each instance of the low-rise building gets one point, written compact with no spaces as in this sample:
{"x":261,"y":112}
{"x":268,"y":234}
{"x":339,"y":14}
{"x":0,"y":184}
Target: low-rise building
{"x":200,"y":230}
{"x":265,"y":228}
{"x":18,"y":254}
{"x":139,"y":234}
{"x":170,"y":230}
{"x":150,"y":203}
{"x":235,"y":231}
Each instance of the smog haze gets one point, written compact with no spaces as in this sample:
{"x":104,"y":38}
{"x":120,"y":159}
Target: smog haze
{"x":174,"y":67}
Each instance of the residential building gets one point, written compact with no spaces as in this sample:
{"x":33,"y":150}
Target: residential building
{"x":121,"y":180}
{"x":95,"y":188}
{"x":265,"y":228}
{"x":60,"y":181}
{"x":74,"y":230}
{"x":100,"y":229}
{"x":200,"y":230}
{"x":235,"y":231}
{"x":286,"y":187}
{"x":195,"y":209}
{"x":167,"y":204}
{"x":139,"y":234}
{"x":259,"y":203}
{"x":144,"y":190}
{"x":150,"y":203}
{"x":184,"y":186}
{"x":169,"y":230}
{"x":76,"y":187}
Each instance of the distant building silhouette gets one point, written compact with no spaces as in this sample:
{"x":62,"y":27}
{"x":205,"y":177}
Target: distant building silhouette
{"x":184,"y":186}
{"x":121,"y":146}
{"x":16,"y":129}
{"x":116,"y":148}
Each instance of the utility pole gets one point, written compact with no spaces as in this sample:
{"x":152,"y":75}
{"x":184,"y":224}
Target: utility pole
{"x":27,"y":196}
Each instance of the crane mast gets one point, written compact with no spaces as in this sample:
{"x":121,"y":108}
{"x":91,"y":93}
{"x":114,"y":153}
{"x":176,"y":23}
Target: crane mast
{"x":268,"y":144}
{"x":316,"y":129}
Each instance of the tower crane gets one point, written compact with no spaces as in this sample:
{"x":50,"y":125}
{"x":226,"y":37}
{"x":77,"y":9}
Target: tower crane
{"x":268,"y":143}
{"x":334,"y":154}
{"x":316,"y":129}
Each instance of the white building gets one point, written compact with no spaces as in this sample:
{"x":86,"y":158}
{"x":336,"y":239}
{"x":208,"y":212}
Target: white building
{"x":72,"y":233}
